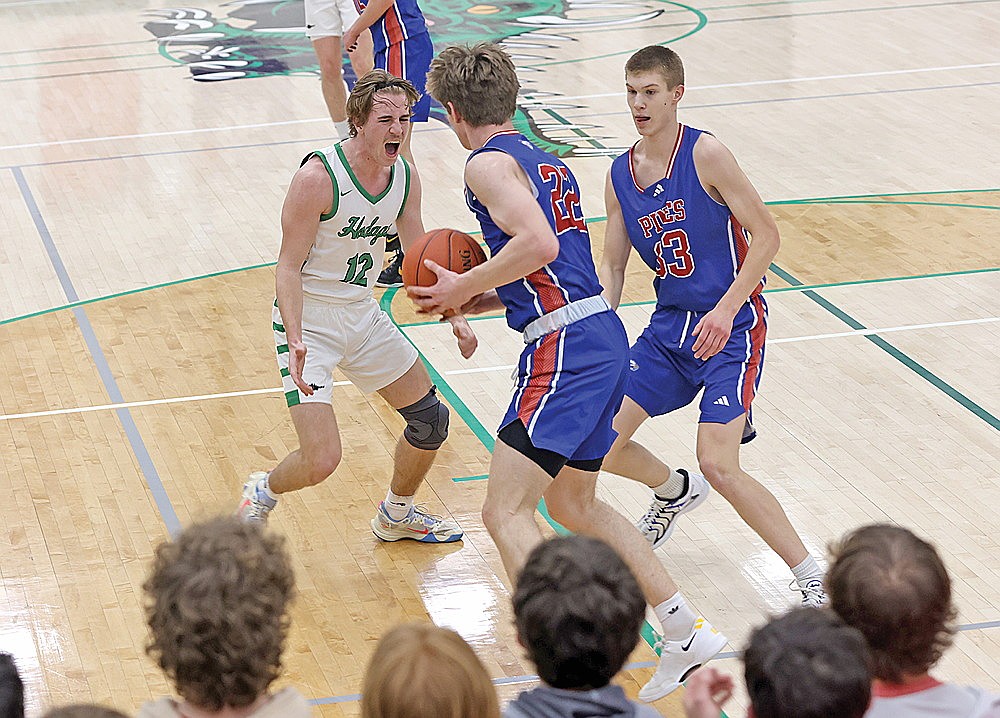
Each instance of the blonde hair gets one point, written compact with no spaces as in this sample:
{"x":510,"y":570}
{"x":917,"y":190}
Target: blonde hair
{"x":480,"y":81}
{"x":419,"y":670}
{"x":362,"y":97}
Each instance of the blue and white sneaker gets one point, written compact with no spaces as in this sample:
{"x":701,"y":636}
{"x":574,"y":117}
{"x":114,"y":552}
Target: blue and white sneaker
{"x":417,"y":526}
{"x":255,"y":506}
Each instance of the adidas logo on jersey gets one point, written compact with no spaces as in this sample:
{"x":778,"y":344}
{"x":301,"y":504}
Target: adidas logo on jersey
{"x":722,"y":401}
{"x":659,"y":188}
{"x":633,"y":365}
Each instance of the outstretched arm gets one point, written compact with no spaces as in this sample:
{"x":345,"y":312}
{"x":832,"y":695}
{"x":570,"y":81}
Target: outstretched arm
{"x":723,"y":179}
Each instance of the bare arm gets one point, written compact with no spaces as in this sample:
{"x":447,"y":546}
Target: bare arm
{"x":369,"y":16}
{"x":616,"y":247}
{"x":309,"y":195}
{"x":722,"y":178}
{"x":500,"y":184}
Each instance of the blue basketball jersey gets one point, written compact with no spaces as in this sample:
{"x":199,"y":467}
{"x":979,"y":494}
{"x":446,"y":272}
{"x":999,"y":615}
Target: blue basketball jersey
{"x":571,"y":276}
{"x":693,"y":243}
{"x":400,"y":22}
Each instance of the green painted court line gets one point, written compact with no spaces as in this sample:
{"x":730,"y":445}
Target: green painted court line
{"x":894,"y":352}
{"x":781,"y":274}
{"x":137,"y":291}
{"x":591,"y":220}
{"x":480,"y":477}
{"x":907,"y":361}
{"x":702,"y":22}
{"x":881,"y":194}
{"x":897,"y":204}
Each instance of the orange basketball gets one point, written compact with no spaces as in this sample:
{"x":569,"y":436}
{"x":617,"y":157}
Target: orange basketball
{"x":450,"y":248}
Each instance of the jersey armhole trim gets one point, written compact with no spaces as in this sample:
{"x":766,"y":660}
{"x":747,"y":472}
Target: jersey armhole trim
{"x":336,"y":192}
{"x":406,"y":186}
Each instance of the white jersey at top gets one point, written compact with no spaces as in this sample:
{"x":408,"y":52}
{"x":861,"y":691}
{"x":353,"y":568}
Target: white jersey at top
{"x":346,"y":257}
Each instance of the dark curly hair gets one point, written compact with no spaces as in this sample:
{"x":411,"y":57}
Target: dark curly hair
{"x":894,"y":588}
{"x":216,"y":606}
{"x":578,"y":611}
{"x":84,"y":710}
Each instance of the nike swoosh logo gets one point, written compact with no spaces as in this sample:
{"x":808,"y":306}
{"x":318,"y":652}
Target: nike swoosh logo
{"x":347,"y":192}
{"x":688,"y":645}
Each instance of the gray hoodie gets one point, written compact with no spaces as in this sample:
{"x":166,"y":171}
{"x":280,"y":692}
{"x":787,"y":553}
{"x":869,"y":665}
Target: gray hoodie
{"x":548,"y":702}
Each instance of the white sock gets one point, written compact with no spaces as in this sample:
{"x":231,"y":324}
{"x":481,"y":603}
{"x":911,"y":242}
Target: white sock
{"x":807,"y":571}
{"x":343,"y":129}
{"x":398,"y":507}
{"x":676,"y":618}
{"x":673,"y":488}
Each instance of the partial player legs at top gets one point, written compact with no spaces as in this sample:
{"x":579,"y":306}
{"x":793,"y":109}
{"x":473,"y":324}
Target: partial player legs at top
{"x":326,"y":22}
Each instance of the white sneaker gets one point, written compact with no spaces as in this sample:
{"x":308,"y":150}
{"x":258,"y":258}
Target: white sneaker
{"x":658,"y":523}
{"x":813,"y":592}
{"x":418,"y":526}
{"x":678,"y":659}
{"x":254,"y":507}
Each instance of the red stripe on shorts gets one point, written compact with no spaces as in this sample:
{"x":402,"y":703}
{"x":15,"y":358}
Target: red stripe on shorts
{"x":543,"y":369}
{"x":757,"y":334}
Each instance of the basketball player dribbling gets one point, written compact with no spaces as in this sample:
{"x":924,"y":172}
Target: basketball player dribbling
{"x":342,"y":205}
{"x":679,"y":197}
{"x":571,"y":373}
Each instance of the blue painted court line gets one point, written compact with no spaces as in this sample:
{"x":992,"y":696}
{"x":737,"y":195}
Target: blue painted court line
{"x":132,"y":433}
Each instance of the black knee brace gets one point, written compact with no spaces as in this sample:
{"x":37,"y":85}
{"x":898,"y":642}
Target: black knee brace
{"x":426,"y":422}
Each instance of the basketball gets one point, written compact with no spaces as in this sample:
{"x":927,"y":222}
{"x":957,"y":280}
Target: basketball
{"x":450,"y":248}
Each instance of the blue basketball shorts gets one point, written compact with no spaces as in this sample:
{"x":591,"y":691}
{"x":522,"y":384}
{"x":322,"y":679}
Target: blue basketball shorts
{"x":410,"y":60}
{"x":664,"y":374}
{"x":570,"y":385}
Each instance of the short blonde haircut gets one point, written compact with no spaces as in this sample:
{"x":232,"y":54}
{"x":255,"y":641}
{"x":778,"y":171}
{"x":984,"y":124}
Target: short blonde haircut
{"x":480,"y":81}
{"x":419,"y":670}
{"x":656,"y":58}
{"x":362,"y":97}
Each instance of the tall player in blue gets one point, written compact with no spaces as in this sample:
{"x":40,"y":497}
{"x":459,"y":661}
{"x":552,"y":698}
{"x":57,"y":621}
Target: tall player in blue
{"x":679,"y":197}
{"x":571,"y":373}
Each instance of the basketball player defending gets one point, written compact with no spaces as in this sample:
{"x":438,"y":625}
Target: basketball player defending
{"x":326,"y":22}
{"x":572,"y":371}
{"x":403,"y":48}
{"x":343,"y":202}
{"x":679,"y":197}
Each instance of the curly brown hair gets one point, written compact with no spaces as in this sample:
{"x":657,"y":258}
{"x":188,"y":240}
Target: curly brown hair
{"x":217,"y":608}
{"x":894,"y":588}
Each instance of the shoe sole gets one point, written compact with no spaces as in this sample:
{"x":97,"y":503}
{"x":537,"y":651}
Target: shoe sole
{"x":420,"y":538}
{"x":669,"y":688}
{"x":687,"y":509}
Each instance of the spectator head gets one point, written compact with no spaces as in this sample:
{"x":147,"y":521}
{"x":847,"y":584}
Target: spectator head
{"x":419,"y":670}
{"x":578,"y":611}
{"x":894,"y":588}
{"x":11,"y":688}
{"x":478,"y":82}
{"x":807,"y":664}
{"x":216,"y":605}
